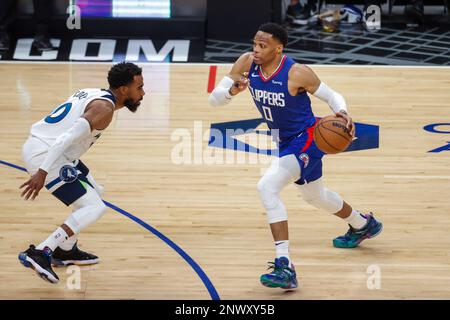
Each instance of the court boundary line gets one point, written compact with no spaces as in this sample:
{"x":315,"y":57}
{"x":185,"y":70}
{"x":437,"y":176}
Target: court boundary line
{"x":207,"y":64}
{"x":194,"y":265}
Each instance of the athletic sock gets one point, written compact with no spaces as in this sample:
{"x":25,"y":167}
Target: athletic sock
{"x":54,"y":240}
{"x":356,"y":219}
{"x":282,"y":249}
{"x":69,"y":243}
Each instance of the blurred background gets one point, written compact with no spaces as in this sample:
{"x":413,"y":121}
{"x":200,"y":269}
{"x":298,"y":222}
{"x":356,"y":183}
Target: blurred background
{"x":328,"y":32}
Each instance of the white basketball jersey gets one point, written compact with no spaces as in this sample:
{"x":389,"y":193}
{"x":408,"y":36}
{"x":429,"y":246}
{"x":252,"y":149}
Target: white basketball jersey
{"x":65,"y":115}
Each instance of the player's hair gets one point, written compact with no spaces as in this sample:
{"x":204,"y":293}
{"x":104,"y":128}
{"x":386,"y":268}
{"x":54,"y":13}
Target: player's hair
{"x":277,"y":31}
{"x":122,"y":74}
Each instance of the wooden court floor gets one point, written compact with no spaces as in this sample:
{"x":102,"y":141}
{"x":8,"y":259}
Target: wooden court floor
{"x":212,"y":211}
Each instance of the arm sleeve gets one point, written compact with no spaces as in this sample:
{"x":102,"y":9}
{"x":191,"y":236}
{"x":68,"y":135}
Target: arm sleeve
{"x":221,"y":95}
{"x":79,"y":131}
{"x":335,"y":100}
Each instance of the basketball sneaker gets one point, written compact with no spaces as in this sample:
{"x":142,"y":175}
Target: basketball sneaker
{"x":309,"y":14}
{"x":282,"y":276}
{"x":354,"y":237}
{"x":293,"y":11}
{"x":73,"y":256}
{"x":39,"y":261}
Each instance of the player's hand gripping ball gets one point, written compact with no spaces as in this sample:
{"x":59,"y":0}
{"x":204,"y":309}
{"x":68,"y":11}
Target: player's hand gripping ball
{"x":332,"y":134}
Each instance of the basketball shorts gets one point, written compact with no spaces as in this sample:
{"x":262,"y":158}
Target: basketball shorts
{"x":308,"y":155}
{"x":66,"y":179}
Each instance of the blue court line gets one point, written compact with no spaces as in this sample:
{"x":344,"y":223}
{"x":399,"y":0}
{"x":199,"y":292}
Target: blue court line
{"x":208,"y":284}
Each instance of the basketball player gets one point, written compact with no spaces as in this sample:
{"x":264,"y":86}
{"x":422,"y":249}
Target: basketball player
{"x":51,"y":155}
{"x":280,"y":88}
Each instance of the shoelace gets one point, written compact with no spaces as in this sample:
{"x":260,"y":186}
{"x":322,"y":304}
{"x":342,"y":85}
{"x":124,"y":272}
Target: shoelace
{"x":280,"y":270}
{"x":350,"y":233}
{"x":353,"y":232}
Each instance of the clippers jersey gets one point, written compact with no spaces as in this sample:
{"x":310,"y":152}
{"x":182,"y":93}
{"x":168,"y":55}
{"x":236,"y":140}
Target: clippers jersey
{"x":291,"y":115}
{"x":65,"y":115}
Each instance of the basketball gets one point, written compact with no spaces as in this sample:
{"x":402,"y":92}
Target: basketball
{"x":331,"y":135}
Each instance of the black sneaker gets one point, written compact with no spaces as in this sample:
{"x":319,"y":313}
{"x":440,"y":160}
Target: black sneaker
{"x":4,"y":41}
{"x":39,"y":261}
{"x":73,"y":256}
{"x":42,"y":43}
{"x":309,"y":14}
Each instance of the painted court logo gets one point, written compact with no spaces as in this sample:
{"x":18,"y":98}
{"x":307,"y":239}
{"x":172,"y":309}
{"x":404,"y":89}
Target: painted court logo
{"x":232,"y":136}
{"x":439,"y":128}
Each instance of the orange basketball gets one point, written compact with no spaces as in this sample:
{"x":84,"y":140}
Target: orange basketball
{"x":331,"y":135}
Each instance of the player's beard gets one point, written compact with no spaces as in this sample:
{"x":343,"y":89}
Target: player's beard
{"x":132,"y":106}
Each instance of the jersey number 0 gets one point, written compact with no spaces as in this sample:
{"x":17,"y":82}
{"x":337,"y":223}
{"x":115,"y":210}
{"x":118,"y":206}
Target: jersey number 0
{"x":267,"y":113}
{"x":59,"y":113}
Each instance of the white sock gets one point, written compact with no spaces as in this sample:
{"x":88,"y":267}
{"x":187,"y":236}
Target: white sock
{"x":55,"y":239}
{"x":282,"y":249}
{"x":356,"y":219}
{"x":69,"y":243}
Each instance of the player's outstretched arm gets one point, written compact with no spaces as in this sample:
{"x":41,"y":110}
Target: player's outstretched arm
{"x":304,"y":78}
{"x":233,"y":83}
{"x":98,"y":115}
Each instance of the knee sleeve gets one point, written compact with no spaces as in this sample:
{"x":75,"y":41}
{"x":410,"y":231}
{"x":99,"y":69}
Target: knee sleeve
{"x":271,"y":201}
{"x":281,"y":172}
{"x":321,"y":197}
{"x":98,"y":188}
{"x":88,"y":209}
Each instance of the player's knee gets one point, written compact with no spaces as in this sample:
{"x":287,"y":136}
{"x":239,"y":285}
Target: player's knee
{"x":101,"y":209}
{"x":316,"y":200}
{"x":93,"y":213}
{"x":87,"y":210}
{"x":268,"y":196}
{"x":271,"y":201}
{"x":261,"y":186}
{"x":333,"y":201}
{"x":85,"y":216}
{"x":98,"y":188}
{"x":324,"y":199}
{"x":263,"y":191}
{"x":98,"y":210}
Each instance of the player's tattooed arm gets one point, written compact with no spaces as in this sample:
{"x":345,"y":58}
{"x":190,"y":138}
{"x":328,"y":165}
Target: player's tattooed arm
{"x":99,"y":113}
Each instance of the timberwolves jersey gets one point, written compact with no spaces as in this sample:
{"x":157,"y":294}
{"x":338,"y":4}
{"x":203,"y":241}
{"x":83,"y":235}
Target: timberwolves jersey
{"x":291,"y":115}
{"x":65,"y":115}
